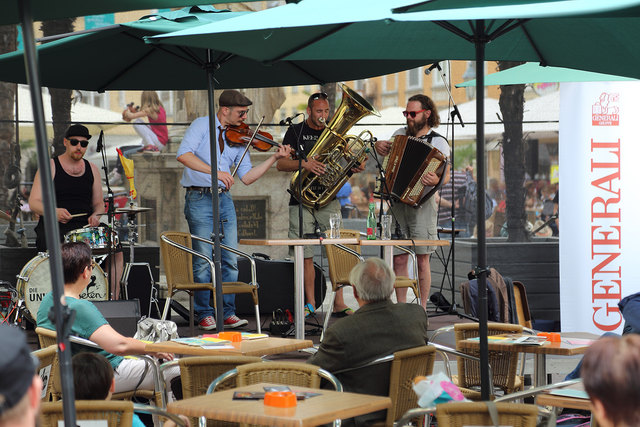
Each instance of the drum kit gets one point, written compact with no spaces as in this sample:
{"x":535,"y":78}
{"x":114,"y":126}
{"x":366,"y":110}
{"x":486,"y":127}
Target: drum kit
{"x":34,"y":280}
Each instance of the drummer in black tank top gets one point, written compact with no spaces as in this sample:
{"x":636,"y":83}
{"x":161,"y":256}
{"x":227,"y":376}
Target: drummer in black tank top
{"x":78,"y":191}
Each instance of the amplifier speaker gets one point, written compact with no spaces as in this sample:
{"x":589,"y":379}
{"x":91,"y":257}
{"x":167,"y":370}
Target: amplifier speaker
{"x":138,"y":283}
{"x":123,"y":315}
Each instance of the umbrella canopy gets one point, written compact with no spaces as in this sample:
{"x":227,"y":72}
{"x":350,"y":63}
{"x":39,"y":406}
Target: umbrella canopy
{"x":553,"y":32}
{"x":532,"y":72}
{"x":119,"y":59}
{"x":44,"y":10}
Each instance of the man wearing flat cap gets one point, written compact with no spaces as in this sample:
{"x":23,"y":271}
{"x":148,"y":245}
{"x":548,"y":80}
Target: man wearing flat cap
{"x":78,"y":191}
{"x":20,"y":385}
{"x":195,"y":154}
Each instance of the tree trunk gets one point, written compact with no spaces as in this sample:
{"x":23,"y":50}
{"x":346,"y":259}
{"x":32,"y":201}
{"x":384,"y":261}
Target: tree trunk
{"x":8,"y":37}
{"x":60,"y":98}
{"x":512,"y":107}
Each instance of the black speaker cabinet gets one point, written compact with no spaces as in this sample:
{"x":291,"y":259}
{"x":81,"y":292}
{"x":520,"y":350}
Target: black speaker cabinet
{"x":123,"y":315}
{"x":138,"y":283}
{"x":275,"y":278}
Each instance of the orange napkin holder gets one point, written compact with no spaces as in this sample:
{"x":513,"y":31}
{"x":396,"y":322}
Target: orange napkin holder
{"x":280,"y":399}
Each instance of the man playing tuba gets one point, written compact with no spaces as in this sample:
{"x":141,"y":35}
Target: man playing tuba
{"x":305,"y":135}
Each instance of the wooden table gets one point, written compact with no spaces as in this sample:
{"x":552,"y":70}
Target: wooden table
{"x":317,"y":410}
{"x":540,"y":352}
{"x":298,"y":268}
{"x":257,"y":347}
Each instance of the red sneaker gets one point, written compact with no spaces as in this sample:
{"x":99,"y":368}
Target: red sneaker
{"x":234,"y":322}
{"x":208,"y":323}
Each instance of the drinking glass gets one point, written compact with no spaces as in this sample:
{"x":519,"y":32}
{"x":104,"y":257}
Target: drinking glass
{"x":387,"y":222}
{"x":335,"y":221}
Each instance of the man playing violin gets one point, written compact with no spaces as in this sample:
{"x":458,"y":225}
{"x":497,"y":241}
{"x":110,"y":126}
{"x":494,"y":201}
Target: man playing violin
{"x":194,"y":153}
{"x":305,"y":135}
{"x":418,"y":223}
{"x":79,"y":197}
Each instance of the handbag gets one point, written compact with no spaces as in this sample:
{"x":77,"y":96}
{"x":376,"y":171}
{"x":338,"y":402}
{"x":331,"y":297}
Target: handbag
{"x":156,"y":330}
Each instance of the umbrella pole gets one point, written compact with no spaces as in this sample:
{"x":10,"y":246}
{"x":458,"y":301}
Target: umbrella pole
{"x":63,"y":316}
{"x":215,"y":197}
{"x":481,"y":272}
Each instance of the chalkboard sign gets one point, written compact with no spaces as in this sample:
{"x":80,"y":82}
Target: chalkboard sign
{"x":252,"y":218}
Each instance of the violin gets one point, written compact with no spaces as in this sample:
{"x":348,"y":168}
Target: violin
{"x":241,"y":135}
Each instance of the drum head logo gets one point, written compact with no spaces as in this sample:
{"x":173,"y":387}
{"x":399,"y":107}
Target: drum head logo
{"x":605,"y":111}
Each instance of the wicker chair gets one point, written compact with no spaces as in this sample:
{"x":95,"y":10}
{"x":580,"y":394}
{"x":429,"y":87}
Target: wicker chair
{"x":504,"y":365}
{"x":116,"y":413}
{"x":48,"y":357}
{"x":197,"y":373}
{"x":48,"y":338}
{"x":341,"y":260}
{"x":459,"y":414}
{"x":522,"y":304}
{"x":177,"y":256}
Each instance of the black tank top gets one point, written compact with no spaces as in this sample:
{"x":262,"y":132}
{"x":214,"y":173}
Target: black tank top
{"x":75,"y":194}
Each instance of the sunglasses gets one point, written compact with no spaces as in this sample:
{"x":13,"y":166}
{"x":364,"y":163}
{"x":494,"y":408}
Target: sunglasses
{"x":412,"y":113}
{"x":243,"y":112}
{"x":83,"y":143}
{"x":318,"y":95}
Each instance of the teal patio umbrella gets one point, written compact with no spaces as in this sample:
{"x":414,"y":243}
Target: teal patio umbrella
{"x":532,"y":72}
{"x":581,"y":34}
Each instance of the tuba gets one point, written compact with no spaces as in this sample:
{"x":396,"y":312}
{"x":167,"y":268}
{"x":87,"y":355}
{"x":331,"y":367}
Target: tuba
{"x":337,"y":151}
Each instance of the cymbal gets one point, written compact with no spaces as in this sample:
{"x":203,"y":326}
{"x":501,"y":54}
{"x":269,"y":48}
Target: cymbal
{"x":132,"y":210}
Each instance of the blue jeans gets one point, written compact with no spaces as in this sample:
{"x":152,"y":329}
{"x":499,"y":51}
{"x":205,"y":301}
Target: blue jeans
{"x":199,"y":214}
{"x":575,"y":374}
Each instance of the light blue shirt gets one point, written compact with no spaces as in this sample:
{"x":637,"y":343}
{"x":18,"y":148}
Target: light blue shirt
{"x":196,"y":141}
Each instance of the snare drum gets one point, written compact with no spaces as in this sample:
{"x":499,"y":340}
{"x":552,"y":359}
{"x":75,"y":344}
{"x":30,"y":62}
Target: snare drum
{"x":34,"y":281}
{"x":97,"y":238}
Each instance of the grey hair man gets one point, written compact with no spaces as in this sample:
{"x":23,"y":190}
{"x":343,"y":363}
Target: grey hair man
{"x":20,"y":385}
{"x":378,"y":328}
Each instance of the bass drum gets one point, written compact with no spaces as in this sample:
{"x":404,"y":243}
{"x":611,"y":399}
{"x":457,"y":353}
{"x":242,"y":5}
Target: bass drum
{"x":34,"y":281}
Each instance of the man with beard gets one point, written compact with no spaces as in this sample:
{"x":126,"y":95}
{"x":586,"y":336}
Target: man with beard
{"x":419,"y":223}
{"x":306,"y":135}
{"x":79,"y":197}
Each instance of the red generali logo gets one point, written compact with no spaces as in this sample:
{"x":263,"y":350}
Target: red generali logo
{"x":605,"y":111}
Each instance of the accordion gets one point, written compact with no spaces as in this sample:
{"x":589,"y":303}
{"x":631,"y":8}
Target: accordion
{"x":408,"y":161}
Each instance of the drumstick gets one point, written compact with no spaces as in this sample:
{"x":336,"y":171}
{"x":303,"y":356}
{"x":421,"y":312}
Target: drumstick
{"x":77,"y":215}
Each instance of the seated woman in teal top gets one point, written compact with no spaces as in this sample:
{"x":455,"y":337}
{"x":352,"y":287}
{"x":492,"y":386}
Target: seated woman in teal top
{"x":89,"y":323}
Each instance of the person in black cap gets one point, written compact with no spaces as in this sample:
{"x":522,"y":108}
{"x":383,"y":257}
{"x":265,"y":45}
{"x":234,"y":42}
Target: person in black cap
{"x":78,"y":190}
{"x":20,"y":385}
{"x":195,"y":154}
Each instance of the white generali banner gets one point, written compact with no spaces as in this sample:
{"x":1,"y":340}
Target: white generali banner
{"x":599,"y":202}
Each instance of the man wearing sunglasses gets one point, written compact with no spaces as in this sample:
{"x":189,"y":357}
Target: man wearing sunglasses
{"x":306,"y":134}
{"x":195,"y":154}
{"x":78,"y":187}
{"x":419,"y":223}
{"x":79,"y":197}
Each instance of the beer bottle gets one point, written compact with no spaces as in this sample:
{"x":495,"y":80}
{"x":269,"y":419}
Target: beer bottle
{"x":371,"y":220}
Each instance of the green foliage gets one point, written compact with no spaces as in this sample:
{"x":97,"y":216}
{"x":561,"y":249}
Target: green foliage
{"x":464,"y":155}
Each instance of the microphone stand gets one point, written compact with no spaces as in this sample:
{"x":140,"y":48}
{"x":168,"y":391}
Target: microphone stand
{"x":300,"y":154}
{"x":452,"y":251}
{"x":110,"y":218}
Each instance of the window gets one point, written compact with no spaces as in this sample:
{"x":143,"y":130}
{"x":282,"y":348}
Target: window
{"x":414,"y":78}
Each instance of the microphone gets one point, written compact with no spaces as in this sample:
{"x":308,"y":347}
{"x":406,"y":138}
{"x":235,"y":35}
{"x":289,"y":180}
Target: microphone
{"x":99,"y":147}
{"x":433,"y":67}
{"x":288,"y":120}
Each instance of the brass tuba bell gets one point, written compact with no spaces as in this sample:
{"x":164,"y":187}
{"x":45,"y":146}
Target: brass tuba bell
{"x":337,"y":151}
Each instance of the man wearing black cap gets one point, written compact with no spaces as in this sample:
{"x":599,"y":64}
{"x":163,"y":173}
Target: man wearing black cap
{"x":20,"y":385}
{"x":78,"y":190}
{"x":195,"y":154}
